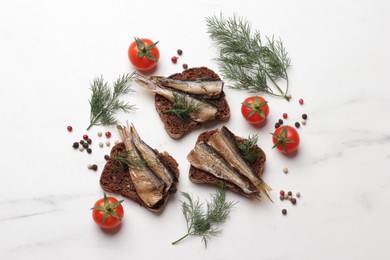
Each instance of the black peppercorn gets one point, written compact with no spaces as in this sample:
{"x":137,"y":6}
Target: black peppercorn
{"x":81,"y":142}
{"x":89,"y":150}
{"x":294,"y":201}
{"x":89,"y":140}
{"x":277,"y":125}
{"x":280,"y":121}
{"x":289,"y":193}
{"x":297,"y":124}
{"x":75,"y":145}
{"x":94,"y":167}
{"x":179,"y":52}
{"x":107,"y":157}
{"x":185,"y":66}
{"x":85,"y":145}
{"x":284,"y":211}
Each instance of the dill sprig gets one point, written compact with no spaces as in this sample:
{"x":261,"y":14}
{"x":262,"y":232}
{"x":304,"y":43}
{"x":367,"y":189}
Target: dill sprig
{"x":182,"y":107}
{"x":105,"y":102}
{"x":245,"y":59}
{"x":200,"y":223}
{"x":247,"y":148}
{"x":126,"y":162}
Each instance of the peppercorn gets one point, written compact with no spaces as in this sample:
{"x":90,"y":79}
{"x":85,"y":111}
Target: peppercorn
{"x":89,"y":150}
{"x":75,"y":145}
{"x":297,"y":124}
{"x":281,"y":192}
{"x":289,"y":193}
{"x":179,"y":52}
{"x":99,"y":133}
{"x":284,"y":211}
{"x":81,"y":142}
{"x":277,"y":125}
{"x":107,"y":157}
{"x":185,"y":66}
{"x":174,"y":59}
{"x":70,"y":128}
{"x":281,"y":197}
{"x":108,"y":134}
{"x":293,"y":201}
{"x":89,"y":166}
{"x":301,"y":101}
{"x":108,"y":143}
{"x":94,"y":167}
{"x":303,"y":122}
{"x":285,"y":115}
{"x":280,"y":121}
{"x":101,"y":144}
{"x":89,"y":141}
{"x":116,"y":142}
{"x":304,"y":116}
{"x":85,"y":137}
{"x":81,"y":148}
{"x":285,"y":170}
{"x":298,"y":194}
{"x":85,"y":145}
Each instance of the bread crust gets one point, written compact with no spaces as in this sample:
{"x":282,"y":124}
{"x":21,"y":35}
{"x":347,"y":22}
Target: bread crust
{"x":115,"y":178}
{"x":202,"y":177}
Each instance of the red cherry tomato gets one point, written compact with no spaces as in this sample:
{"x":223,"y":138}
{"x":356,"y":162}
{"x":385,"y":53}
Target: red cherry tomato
{"x":107,"y":212}
{"x":286,"y":139}
{"x":143,"y":54}
{"x":255,"y":109}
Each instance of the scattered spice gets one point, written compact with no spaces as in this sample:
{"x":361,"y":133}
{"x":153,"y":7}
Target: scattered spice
{"x":298,"y":194}
{"x":297,"y":124}
{"x":70,"y":128}
{"x":89,"y":166}
{"x":89,"y":141}
{"x":277,"y":125}
{"x":281,"y":192}
{"x":101,"y":144}
{"x":116,"y":142}
{"x":280,"y":121}
{"x":85,"y":145}
{"x":174,"y":59}
{"x":303,"y":122}
{"x":285,"y":170}
{"x":179,"y":52}
{"x":106,"y":157}
{"x":108,"y":134}
{"x":281,"y":197}
{"x":89,"y":150}
{"x":94,"y":167}
{"x":185,"y":66}
{"x":81,"y":142}
{"x":289,"y":193}
{"x":285,"y":115}
{"x":81,"y":148}
{"x":108,"y":143}
{"x":284,"y":211}
{"x":293,"y":201}
{"x":99,"y":133}
{"x":75,"y":145}
{"x":85,"y":137}
{"x":304,"y":116}
{"x":301,"y":101}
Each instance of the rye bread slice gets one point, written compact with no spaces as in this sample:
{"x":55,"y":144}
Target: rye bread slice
{"x":115,"y":178}
{"x":176,"y":127}
{"x":202,"y":177}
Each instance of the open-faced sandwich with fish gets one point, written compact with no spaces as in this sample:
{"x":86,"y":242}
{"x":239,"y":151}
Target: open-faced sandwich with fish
{"x":187,"y":100}
{"x":139,"y":172}
{"x":221,"y":158}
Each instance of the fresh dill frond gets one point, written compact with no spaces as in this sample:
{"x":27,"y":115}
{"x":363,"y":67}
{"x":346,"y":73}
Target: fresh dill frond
{"x":105,"y":102}
{"x":183,"y":107}
{"x":248,"y":146}
{"x":126,"y":162}
{"x":201,"y":223}
{"x":246,"y":60}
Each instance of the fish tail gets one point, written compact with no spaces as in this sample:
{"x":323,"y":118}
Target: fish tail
{"x":124,"y":132}
{"x":265,"y":189}
{"x":146,"y":82}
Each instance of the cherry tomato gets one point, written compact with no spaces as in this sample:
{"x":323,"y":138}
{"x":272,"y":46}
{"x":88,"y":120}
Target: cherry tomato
{"x":255,"y":109}
{"x":143,"y":54}
{"x":107,"y":212}
{"x":286,"y":139}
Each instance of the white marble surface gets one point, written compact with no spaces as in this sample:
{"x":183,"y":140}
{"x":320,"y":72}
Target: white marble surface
{"x":51,"y":50}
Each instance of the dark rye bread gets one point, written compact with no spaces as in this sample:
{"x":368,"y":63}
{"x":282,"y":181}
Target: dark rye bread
{"x":176,"y":127}
{"x":115,"y":178}
{"x":201,"y":177}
